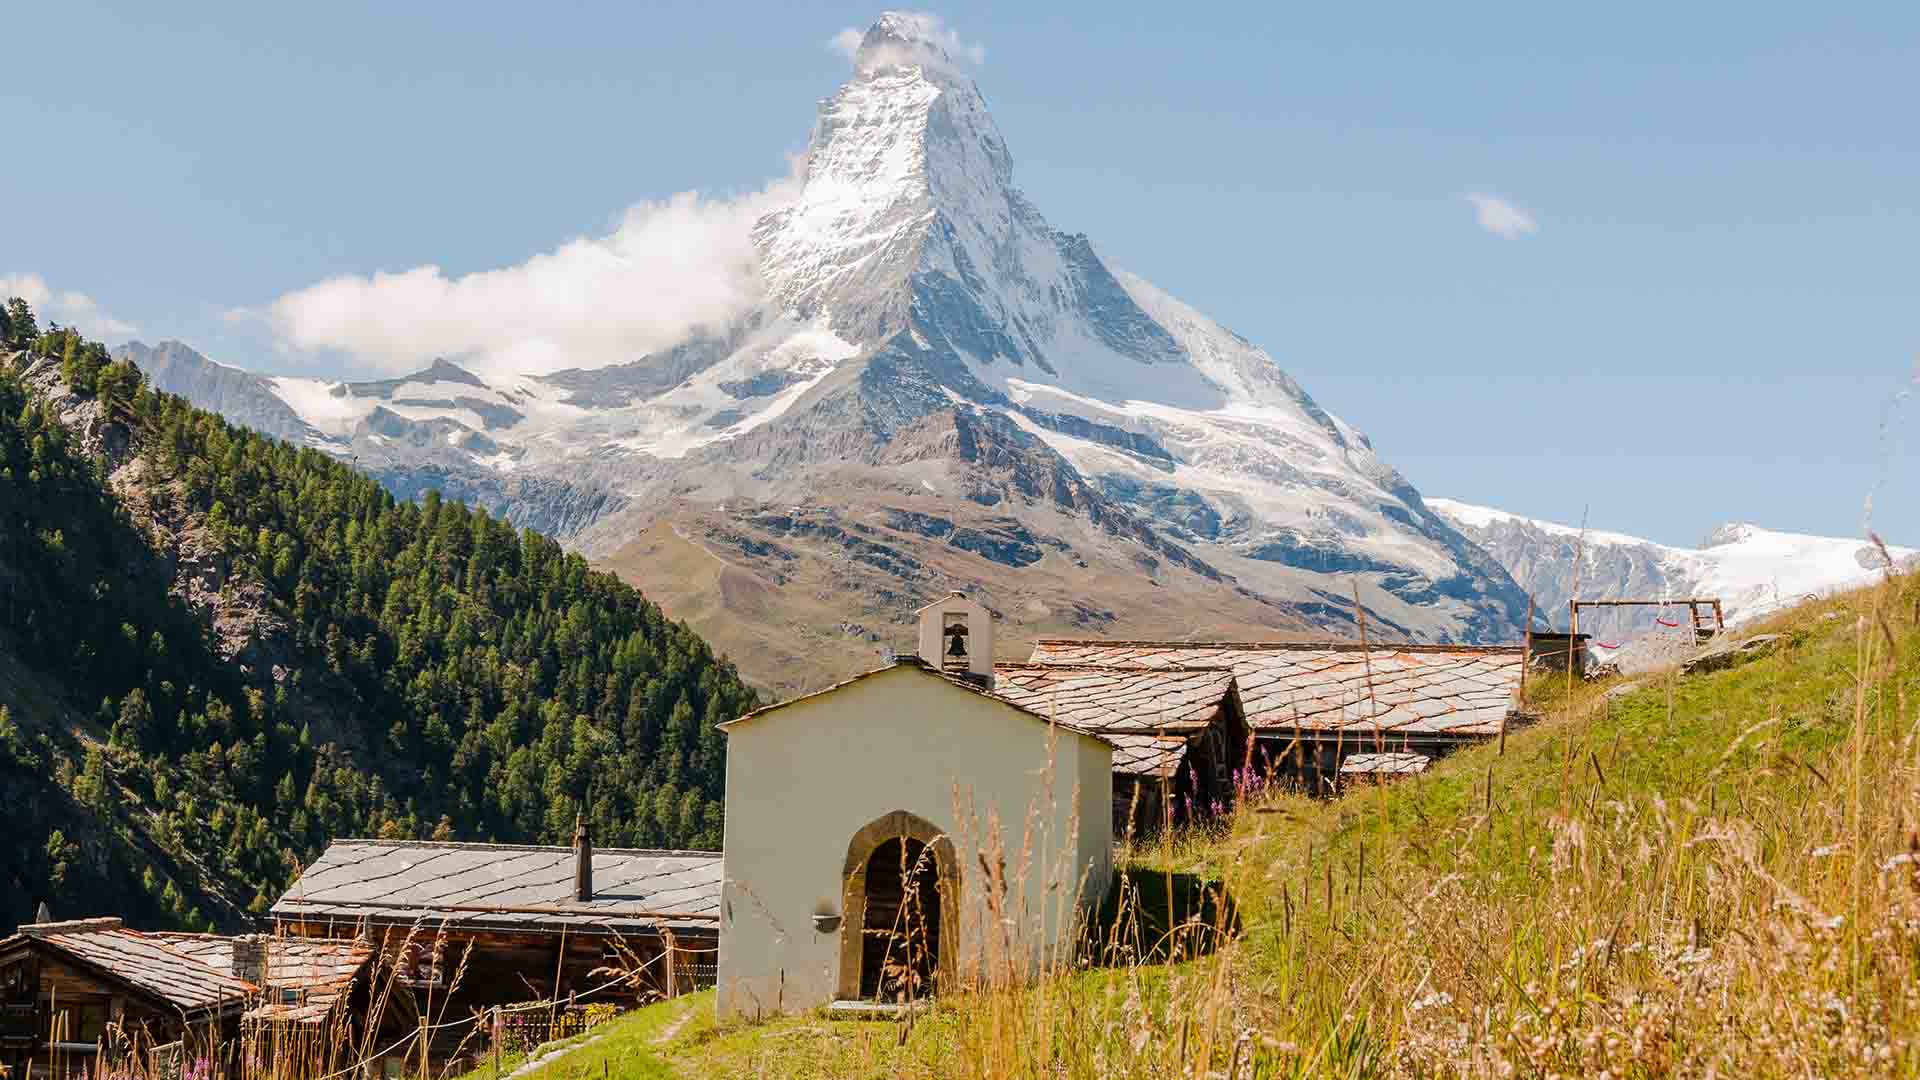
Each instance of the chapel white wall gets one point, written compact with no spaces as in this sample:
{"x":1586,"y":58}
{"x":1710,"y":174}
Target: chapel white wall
{"x":802,"y":780}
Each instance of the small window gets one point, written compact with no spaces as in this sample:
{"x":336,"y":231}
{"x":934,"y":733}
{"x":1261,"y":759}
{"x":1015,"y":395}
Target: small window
{"x":80,"y":1023}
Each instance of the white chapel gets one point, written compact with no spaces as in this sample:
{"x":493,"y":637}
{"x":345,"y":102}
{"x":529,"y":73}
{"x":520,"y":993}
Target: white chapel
{"x":905,"y":829}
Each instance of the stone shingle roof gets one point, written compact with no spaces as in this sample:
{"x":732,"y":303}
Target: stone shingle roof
{"x":1384,"y":764}
{"x":146,"y":963}
{"x":305,"y":976}
{"x":1453,"y":691}
{"x":1148,"y":755}
{"x":1111,"y":700}
{"x":504,"y":887}
{"x":1148,"y":714}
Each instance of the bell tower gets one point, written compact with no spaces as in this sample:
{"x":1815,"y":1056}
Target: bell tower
{"x":956,"y":636}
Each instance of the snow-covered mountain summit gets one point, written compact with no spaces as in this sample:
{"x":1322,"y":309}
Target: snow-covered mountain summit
{"x":1752,"y":570}
{"x":928,"y":342}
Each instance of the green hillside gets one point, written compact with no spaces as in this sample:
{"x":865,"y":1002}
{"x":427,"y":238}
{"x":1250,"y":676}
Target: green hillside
{"x":219,"y":651}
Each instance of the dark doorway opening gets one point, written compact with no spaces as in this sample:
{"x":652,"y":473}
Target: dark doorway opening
{"x":900,"y":944}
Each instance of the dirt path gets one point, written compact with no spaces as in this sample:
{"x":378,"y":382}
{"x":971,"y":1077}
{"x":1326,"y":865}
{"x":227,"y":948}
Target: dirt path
{"x":550,"y":1056}
{"x":679,"y":1022}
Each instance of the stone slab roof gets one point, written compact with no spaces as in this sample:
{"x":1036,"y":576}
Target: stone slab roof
{"x":505,"y":887}
{"x":305,"y":976}
{"x":146,"y":963}
{"x":1148,"y":755}
{"x":1388,"y":764}
{"x":1112,"y":700}
{"x":1431,"y":690}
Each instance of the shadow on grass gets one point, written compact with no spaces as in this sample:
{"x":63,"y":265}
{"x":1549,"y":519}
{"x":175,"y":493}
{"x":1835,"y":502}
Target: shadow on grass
{"x":1158,"y":916}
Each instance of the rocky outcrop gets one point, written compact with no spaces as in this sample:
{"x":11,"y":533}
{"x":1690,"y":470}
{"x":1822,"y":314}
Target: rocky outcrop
{"x":235,"y":610}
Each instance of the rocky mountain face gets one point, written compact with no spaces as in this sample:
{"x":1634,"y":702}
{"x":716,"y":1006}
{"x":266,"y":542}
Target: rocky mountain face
{"x":1753,"y":571}
{"x":937,"y":370}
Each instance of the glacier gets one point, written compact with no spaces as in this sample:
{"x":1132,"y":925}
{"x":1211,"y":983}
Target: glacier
{"x":1753,"y":571}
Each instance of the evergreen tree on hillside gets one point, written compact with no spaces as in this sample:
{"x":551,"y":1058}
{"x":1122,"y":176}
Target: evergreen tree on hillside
{"x":20,"y":327}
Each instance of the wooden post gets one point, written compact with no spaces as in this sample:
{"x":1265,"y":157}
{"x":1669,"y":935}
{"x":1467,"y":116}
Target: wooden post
{"x":1526,"y":649}
{"x":1366,"y":658}
{"x":1489,"y":806}
{"x":1573,"y":640}
{"x":673,"y":976}
{"x":496,"y":1042}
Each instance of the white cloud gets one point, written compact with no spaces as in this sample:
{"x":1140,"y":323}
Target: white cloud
{"x":846,"y":43}
{"x":1502,"y":218}
{"x":915,"y":37}
{"x":667,"y":268}
{"x":75,"y":309}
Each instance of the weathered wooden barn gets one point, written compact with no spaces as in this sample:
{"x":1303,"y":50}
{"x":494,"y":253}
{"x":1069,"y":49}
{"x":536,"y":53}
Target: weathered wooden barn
{"x":1179,"y":733}
{"x":74,"y":992}
{"x":1311,"y":705}
{"x":468,"y":926}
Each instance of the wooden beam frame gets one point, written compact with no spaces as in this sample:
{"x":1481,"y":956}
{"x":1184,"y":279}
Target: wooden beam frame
{"x":1693,"y":604}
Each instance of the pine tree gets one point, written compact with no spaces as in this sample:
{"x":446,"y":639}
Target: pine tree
{"x":21,"y":329}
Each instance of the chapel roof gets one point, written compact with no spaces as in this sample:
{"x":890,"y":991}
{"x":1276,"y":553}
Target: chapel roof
{"x":915,"y":663}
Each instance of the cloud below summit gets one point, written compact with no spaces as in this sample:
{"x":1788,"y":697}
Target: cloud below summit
{"x":667,"y":269}
{"x":1500,"y":217}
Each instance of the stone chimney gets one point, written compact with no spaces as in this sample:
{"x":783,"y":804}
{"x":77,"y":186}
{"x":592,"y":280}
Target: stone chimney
{"x":956,"y":636}
{"x":582,"y":860}
{"x":250,"y":959}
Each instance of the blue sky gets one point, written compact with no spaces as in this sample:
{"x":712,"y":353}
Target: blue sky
{"x":1719,"y":298}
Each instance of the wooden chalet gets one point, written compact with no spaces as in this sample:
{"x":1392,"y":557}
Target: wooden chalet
{"x":71,"y":992}
{"x":469,"y":926}
{"x":1179,"y":734}
{"x":1312,"y":705}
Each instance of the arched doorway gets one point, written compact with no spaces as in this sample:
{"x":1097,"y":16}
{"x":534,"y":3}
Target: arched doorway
{"x":901,"y":910}
{"x":900,"y":943}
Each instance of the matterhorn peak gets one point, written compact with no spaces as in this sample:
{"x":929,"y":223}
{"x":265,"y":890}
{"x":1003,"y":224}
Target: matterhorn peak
{"x":904,"y":151}
{"x":912,"y":39}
